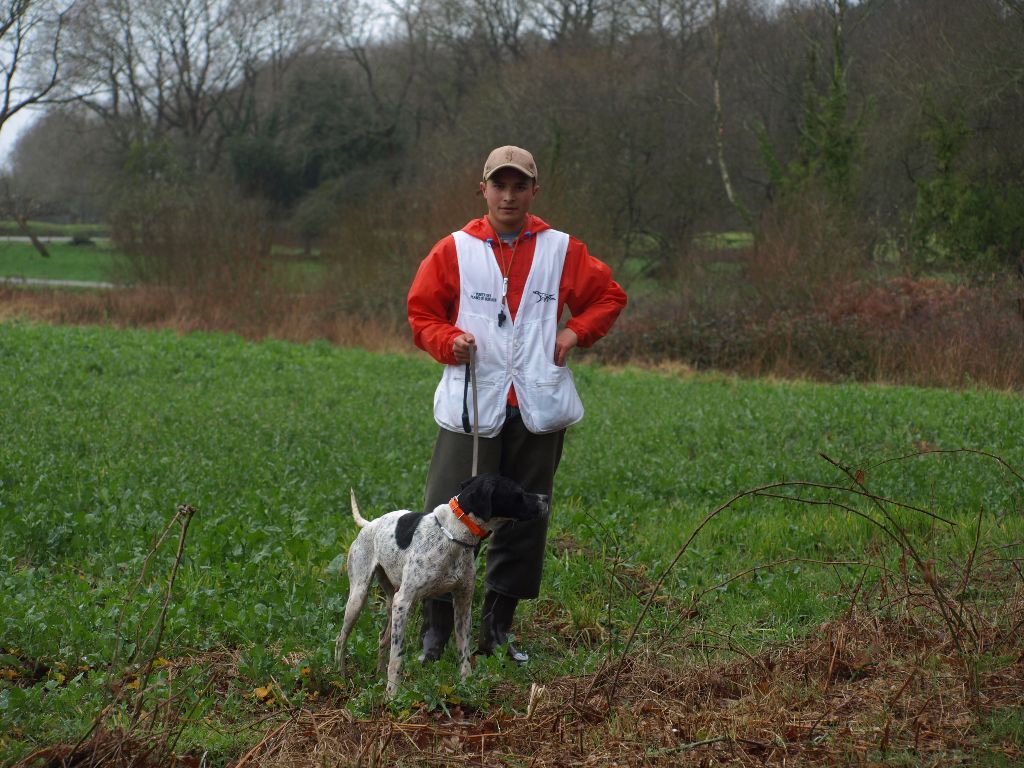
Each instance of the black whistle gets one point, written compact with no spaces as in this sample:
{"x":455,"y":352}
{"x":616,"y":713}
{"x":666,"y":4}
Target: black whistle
{"x":501,"y":318}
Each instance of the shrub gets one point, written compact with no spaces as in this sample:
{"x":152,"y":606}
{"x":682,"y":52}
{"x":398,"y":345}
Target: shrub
{"x":802,"y":251}
{"x":198,"y":235}
{"x":964,"y":216}
{"x":373,"y":253}
{"x":925,"y":332}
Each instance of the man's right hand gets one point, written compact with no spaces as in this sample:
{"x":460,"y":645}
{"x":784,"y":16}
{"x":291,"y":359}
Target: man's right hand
{"x":461,"y":347}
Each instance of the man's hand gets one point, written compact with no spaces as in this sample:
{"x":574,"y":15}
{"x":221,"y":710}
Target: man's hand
{"x":461,"y":347}
{"x":565,"y":340}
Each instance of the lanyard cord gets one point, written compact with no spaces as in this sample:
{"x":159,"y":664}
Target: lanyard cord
{"x":505,"y":269}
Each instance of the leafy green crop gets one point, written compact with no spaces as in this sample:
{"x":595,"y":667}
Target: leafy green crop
{"x":103,"y":433}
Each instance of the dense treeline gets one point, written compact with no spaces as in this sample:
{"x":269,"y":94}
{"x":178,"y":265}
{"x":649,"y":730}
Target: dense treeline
{"x":907,"y":113}
{"x":849,"y":137}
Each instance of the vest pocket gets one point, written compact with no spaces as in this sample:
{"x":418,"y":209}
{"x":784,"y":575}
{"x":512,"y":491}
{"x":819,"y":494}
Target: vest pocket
{"x":448,"y":402}
{"x":550,"y":403}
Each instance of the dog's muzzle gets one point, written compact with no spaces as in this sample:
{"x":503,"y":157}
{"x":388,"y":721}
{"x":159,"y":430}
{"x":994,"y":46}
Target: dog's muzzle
{"x":543,"y":504}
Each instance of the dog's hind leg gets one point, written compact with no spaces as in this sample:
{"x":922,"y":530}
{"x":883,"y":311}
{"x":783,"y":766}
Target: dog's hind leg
{"x":384,"y":641}
{"x":463,"y":607}
{"x":360,"y":577}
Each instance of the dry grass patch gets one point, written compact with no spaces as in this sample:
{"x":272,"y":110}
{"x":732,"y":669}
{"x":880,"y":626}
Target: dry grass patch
{"x":861,"y":690}
{"x":884,"y":684}
{"x":294,"y":317}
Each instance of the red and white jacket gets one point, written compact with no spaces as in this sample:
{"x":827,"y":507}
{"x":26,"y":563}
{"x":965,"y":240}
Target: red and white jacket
{"x":585,"y":286}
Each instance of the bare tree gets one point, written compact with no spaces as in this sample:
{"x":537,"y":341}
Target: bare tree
{"x":30,"y":41}
{"x":502,"y":22}
{"x":20,"y":207}
{"x":716,"y":66}
{"x":1015,"y":6}
{"x":570,"y":20}
{"x":183,"y":70}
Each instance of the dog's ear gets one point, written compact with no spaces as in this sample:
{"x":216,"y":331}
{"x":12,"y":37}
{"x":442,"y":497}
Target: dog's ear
{"x":477,"y":495}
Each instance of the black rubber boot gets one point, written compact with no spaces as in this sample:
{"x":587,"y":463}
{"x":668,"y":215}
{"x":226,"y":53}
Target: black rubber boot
{"x":438,"y":621}
{"x":495,"y":624}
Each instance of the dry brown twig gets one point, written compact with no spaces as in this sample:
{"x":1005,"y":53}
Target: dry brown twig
{"x":891,"y":527}
{"x":183,"y":516}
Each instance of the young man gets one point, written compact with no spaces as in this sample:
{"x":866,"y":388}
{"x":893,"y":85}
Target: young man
{"x":500,"y":286}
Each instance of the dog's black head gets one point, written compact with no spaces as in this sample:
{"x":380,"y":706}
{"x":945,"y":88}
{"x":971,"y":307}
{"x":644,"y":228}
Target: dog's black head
{"x":493,"y":497}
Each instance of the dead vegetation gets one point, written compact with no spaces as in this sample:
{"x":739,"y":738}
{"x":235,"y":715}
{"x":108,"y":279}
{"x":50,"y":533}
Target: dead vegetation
{"x":878,"y":686}
{"x":860,"y":690}
{"x":298,"y":318}
{"x":923,"y":331}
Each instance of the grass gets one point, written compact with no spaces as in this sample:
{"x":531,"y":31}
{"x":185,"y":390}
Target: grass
{"x":93,"y":263}
{"x":724,"y":240}
{"x":999,"y":727}
{"x":102,"y":262}
{"x":105,"y":432}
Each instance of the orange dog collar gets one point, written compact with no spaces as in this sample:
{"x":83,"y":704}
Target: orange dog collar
{"x":467,"y":521}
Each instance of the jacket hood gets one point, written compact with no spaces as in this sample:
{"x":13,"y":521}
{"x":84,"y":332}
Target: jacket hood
{"x":481,"y":228}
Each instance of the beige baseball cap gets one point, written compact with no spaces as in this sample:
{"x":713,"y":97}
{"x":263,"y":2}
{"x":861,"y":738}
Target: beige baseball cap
{"x":510,"y":157}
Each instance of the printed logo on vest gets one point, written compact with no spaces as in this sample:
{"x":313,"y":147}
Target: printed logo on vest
{"x":482,"y":296}
{"x":545,"y":297}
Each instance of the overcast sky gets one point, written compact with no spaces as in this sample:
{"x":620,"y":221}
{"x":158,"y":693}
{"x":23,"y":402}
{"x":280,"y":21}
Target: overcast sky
{"x":11,"y":129}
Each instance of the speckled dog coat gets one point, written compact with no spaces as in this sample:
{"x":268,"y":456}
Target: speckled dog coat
{"x":416,"y":555}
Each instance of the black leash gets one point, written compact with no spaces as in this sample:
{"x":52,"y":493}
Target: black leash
{"x":466,"y":425}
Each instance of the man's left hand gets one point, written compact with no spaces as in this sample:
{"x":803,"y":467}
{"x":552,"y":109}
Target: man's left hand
{"x":565,"y":340}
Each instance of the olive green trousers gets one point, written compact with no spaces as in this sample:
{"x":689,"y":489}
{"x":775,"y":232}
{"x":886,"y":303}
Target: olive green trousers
{"x":515,"y":551}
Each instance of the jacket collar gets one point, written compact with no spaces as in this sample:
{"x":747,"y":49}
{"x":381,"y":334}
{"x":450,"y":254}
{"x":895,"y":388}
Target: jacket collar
{"x":481,"y":228}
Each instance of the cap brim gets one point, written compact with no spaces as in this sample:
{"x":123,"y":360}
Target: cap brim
{"x":519,"y":168}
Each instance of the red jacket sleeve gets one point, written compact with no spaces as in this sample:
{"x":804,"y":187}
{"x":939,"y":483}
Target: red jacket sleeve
{"x":433,"y":302}
{"x":593,"y":298}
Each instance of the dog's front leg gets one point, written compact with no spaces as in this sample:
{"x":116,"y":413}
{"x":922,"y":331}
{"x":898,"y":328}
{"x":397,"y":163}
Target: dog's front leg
{"x":400,"y":607}
{"x":463,"y":605}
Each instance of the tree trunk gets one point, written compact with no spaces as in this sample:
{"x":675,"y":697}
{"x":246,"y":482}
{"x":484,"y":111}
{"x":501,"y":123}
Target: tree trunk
{"x":723,"y":169}
{"x":36,"y":242}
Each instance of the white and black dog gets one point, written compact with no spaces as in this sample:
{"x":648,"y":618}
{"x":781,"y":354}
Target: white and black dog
{"x":416,"y":555}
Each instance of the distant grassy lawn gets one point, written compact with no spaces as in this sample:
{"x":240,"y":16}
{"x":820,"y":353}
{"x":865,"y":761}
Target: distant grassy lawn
{"x":297,"y":270}
{"x":100,"y":262}
{"x":295,"y":252}
{"x":67,"y":262}
{"x":724,"y":240}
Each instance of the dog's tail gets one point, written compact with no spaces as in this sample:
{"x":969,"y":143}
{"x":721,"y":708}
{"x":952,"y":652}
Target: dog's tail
{"x":355,"y":511}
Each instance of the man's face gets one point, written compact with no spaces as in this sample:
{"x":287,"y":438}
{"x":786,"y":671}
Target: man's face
{"x":509,"y":194}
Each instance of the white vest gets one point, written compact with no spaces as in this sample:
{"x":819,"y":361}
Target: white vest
{"x":520,"y":352}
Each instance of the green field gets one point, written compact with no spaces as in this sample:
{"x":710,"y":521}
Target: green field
{"x":93,"y":263}
{"x":103,"y":433}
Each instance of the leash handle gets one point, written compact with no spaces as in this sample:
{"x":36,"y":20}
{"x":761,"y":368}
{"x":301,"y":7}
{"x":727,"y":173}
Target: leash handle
{"x":475,"y":426}
{"x":476,"y":414}
{"x":467,"y":427}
